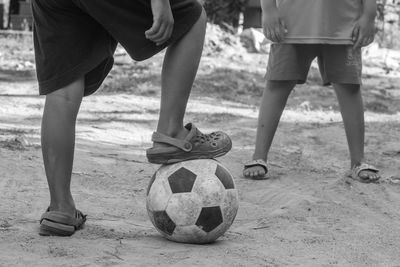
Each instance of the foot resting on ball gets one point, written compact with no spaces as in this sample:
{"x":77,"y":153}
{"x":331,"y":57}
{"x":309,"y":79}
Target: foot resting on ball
{"x":195,"y":145}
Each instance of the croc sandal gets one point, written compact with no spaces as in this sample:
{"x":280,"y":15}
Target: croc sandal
{"x":256,"y":163}
{"x":354,"y":173}
{"x":57,"y":223}
{"x":196,"y":145}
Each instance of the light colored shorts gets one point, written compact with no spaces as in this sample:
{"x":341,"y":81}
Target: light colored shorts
{"x":337,"y":63}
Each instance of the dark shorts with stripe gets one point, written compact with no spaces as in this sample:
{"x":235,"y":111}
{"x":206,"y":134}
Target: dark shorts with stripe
{"x":337,"y":63}
{"x":76,"y":38}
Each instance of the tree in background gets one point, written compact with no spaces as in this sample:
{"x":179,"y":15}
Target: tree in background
{"x":224,"y":13}
{"x":388,"y":23}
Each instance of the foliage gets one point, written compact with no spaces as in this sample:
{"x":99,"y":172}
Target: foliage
{"x":388,"y":7}
{"x":224,"y":13}
{"x":388,"y":23}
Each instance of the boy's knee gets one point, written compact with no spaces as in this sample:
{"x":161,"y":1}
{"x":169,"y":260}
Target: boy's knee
{"x":348,"y":88}
{"x":289,"y":85}
{"x":70,"y":94}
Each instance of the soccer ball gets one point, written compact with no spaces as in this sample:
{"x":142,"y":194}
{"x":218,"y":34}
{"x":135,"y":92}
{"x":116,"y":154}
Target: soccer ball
{"x":192,"y":201}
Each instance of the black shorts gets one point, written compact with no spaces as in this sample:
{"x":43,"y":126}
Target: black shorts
{"x":76,"y":38}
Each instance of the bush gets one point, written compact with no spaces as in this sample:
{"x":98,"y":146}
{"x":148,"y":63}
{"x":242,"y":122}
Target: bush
{"x":388,"y":24}
{"x":224,"y":13}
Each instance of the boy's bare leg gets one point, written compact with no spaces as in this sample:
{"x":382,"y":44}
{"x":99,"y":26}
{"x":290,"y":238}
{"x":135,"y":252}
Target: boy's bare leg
{"x":58,"y":141}
{"x":272,"y":105}
{"x":178,"y":73}
{"x":351,"y":107}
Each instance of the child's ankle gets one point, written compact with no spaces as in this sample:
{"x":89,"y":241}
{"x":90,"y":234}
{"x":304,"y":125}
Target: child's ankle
{"x":178,"y":133}
{"x":257,"y":156}
{"x":63,"y":207}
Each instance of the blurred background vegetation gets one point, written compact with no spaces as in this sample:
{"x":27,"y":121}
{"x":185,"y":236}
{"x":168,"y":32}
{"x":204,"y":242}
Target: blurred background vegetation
{"x":388,"y":24}
{"x":226,"y":13}
{"x":231,"y":70}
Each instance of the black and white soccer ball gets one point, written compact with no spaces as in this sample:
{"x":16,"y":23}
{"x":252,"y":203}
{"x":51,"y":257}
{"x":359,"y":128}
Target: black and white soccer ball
{"x":192,"y":201}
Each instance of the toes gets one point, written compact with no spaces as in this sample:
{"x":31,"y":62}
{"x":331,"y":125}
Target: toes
{"x":248,"y":173}
{"x":260,"y":173}
{"x":368,"y":175}
{"x":254,"y":172}
{"x":364,"y":175}
{"x":376,"y":177}
{"x":255,"y":175}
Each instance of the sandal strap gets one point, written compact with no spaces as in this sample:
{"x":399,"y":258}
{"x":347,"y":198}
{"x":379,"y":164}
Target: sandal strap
{"x":162,"y":138}
{"x":64,"y":218}
{"x":256,"y":162}
{"x":184,"y":144}
{"x":364,"y":167}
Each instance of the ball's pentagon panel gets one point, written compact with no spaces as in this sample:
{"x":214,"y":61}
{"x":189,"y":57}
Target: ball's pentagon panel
{"x":225,"y":177}
{"x":163,"y":222}
{"x":182,"y":180}
{"x":209,"y":218}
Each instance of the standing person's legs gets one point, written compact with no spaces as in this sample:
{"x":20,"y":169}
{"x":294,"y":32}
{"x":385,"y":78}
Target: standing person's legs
{"x":341,"y":65}
{"x":58,"y":141}
{"x":178,"y":73}
{"x":273,"y":103}
{"x":65,"y":75}
{"x":351,"y":108}
{"x":174,"y":142}
{"x":288,"y":64}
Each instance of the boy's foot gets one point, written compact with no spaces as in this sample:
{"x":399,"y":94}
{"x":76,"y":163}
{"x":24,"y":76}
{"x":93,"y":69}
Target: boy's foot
{"x":57,"y":223}
{"x":364,"y":173}
{"x":255,"y":169}
{"x":195,"y":145}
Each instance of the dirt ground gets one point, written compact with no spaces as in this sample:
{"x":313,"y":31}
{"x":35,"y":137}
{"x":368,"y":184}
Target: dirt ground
{"x":306,"y":214}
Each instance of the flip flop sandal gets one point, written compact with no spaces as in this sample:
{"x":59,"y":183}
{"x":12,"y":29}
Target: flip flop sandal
{"x":256,"y":163}
{"x":57,"y":223}
{"x":354,"y":173}
{"x":196,"y":145}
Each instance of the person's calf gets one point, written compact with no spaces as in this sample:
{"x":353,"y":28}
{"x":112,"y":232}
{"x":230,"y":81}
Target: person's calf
{"x":58,"y":140}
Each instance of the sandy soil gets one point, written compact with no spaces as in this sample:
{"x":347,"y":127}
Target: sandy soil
{"x":306,"y":214}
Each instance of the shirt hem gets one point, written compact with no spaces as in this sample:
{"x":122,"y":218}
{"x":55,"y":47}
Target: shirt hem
{"x":321,"y":40}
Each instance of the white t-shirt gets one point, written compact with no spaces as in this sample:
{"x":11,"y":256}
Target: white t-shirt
{"x":319,"y":21}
